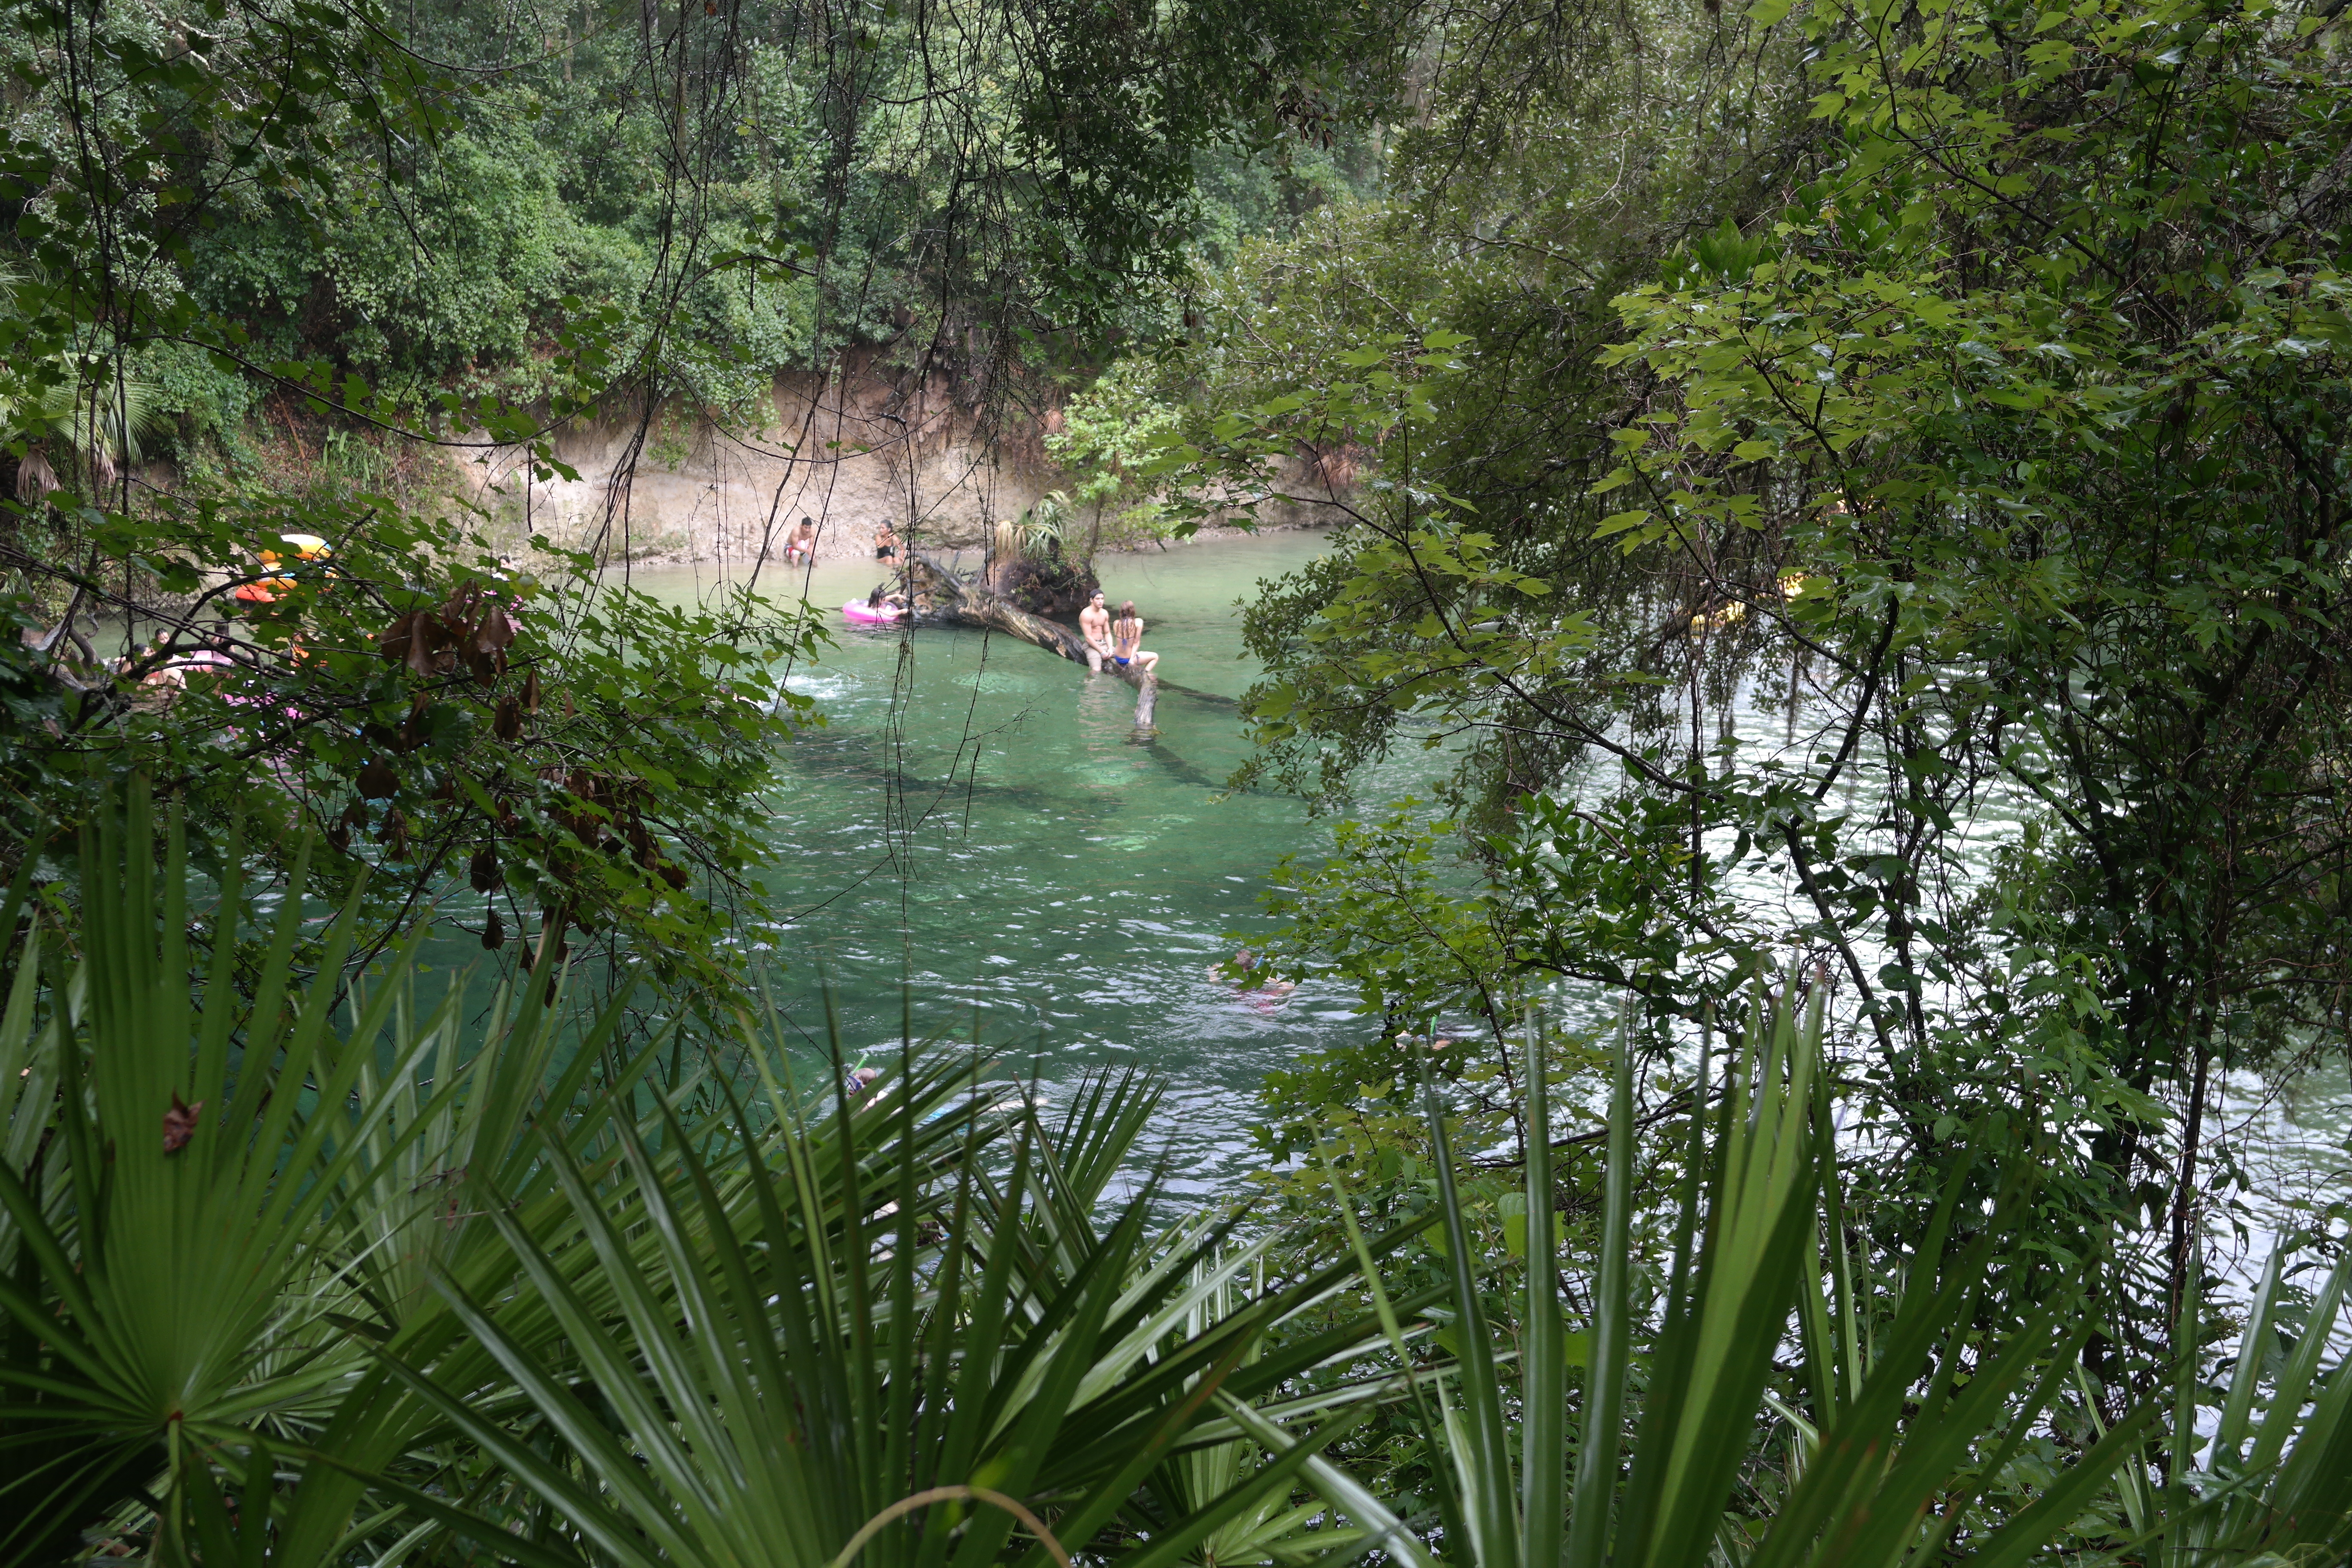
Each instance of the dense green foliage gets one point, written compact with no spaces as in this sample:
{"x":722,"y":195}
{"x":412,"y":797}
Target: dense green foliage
{"x":297,"y":1277}
{"x":716,"y":196}
{"x":1961,"y":384}
{"x":1965,"y":381}
{"x":329,"y":1277}
{"x":303,"y":255}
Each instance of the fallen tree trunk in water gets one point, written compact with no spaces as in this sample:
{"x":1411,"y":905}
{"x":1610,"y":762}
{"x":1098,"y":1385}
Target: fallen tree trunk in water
{"x":959,"y":603}
{"x":969,"y":603}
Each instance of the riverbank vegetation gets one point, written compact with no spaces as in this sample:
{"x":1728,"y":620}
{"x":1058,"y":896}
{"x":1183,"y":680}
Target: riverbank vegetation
{"x":316,"y":1273}
{"x":1956,"y":390}
{"x":1964,"y":414}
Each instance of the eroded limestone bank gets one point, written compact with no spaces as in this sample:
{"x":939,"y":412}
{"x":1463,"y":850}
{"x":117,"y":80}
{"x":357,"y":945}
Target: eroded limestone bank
{"x":851,"y":450}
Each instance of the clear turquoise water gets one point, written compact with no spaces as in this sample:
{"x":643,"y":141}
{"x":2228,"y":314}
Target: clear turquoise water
{"x":978,"y":822}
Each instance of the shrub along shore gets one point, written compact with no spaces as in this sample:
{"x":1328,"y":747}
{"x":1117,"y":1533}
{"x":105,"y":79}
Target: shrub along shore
{"x":306,"y":1272}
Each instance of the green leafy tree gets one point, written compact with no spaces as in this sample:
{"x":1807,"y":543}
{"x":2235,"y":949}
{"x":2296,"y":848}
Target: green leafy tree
{"x":1111,"y":438}
{"x":404,"y":236}
{"x":1996,"y":436}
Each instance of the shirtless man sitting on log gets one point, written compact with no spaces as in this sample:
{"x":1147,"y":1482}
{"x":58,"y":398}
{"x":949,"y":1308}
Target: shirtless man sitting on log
{"x":1094,"y":624}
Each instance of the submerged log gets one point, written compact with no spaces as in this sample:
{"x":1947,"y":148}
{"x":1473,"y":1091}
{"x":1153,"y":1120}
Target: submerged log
{"x":955,"y":602}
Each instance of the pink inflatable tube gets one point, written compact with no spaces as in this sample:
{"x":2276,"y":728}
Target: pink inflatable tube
{"x":857,"y":612}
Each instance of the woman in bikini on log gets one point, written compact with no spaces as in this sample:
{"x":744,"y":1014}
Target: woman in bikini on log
{"x":1127,"y":649}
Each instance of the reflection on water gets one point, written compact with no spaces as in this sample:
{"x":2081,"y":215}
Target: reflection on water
{"x":2291,"y":1144}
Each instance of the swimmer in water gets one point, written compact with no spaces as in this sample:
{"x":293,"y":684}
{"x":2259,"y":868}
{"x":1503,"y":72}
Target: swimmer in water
{"x":1240,"y":963}
{"x":801,"y":546}
{"x":1240,"y":971}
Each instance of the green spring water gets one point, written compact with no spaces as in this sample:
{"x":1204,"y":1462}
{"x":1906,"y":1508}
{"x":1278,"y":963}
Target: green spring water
{"x":978,"y":821}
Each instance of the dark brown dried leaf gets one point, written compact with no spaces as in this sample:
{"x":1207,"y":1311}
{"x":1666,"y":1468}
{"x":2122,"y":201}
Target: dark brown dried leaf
{"x":180,"y":1124}
{"x":393,"y":640}
{"x":420,"y":640}
{"x":493,"y":633}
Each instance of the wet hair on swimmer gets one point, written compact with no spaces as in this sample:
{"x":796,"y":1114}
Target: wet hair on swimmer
{"x":1128,"y":609}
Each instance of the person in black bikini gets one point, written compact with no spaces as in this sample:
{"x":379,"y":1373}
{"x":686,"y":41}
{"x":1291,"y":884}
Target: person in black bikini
{"x":885,"y":545}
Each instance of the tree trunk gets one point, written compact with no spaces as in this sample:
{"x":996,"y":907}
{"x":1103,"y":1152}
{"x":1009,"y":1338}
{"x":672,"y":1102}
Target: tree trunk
{"x":958,"y":603}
